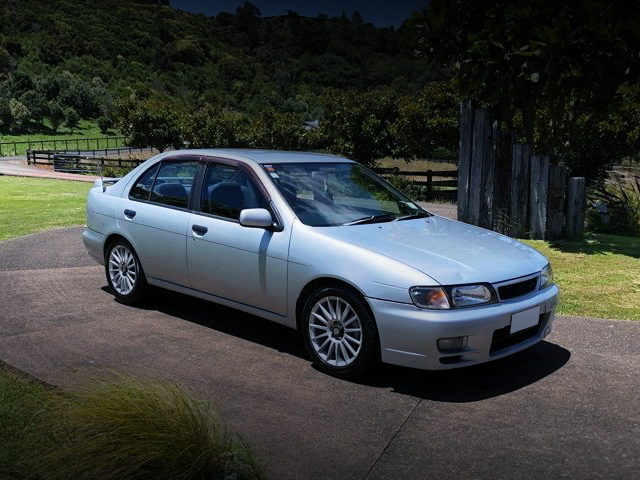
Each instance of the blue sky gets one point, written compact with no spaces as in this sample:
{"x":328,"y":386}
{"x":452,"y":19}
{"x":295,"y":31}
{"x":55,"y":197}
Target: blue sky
{"x":380,"y":13}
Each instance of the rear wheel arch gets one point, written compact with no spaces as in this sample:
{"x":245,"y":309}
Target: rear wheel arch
{"x":113,"y":238}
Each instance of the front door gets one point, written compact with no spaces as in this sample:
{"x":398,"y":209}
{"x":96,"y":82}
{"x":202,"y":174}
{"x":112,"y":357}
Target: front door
{"x":246,"y":265}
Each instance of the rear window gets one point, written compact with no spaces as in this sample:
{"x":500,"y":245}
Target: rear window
{"x":143,"y":186}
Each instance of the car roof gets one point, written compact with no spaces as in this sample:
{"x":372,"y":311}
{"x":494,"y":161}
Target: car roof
{"x":266,"y":156}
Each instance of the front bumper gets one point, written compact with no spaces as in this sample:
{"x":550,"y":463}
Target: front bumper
{"x":408,"y":334}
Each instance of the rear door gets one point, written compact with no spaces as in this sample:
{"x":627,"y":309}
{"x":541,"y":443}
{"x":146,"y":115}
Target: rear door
{"x":155,"y":216}
{"x":247,"y":265}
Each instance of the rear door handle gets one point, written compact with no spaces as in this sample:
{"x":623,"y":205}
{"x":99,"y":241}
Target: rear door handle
{"x":129,"y":213}
{"x":199,"y":229}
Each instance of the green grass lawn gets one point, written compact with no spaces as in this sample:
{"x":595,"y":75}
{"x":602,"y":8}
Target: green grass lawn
{"x":29,"y":205}
{"x":86,"y":129}
{"x":598,"y":276}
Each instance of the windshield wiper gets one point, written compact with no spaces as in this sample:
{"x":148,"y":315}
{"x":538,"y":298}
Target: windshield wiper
{"x":387,"y":217}
{"x":421,"y":214}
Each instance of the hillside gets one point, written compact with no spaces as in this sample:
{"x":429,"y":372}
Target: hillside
{"x":84,"y":54}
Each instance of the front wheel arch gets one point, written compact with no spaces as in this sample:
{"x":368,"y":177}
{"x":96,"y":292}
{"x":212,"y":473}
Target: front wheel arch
{"x":325,"y":282}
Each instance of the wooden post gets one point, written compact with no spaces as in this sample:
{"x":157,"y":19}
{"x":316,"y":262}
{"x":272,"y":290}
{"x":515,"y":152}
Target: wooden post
{"x":556,"y":204}
{"x":502,"y":187}
{"x":480,"y":119}
{"x":519,"y":202}
{"x":488,"y":173}
{"x":464,"y":159}
{"x":576,"y":205}
{"x":429,"y":185}
{"x":538,"y":197}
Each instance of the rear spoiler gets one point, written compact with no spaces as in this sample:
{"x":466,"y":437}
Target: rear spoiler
{"x":105,"y":182}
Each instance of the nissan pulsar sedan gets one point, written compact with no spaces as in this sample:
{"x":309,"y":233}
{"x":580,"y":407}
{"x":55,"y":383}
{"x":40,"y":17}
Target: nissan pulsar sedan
{"x":321,"y":244}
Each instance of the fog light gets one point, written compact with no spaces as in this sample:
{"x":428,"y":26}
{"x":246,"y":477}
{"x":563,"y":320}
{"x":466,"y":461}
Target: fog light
{"x":452,"y":344}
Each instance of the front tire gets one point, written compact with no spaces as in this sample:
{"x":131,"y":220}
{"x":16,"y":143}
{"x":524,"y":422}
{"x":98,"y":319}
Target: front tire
{"x":124,"y":272}
{"x":339,"y":332}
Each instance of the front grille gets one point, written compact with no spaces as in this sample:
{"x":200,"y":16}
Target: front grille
{"x":503,"y":339}
{"x":518,"y":289}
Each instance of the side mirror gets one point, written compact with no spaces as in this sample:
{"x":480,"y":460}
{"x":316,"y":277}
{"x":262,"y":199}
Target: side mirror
{"x":256,"y":218}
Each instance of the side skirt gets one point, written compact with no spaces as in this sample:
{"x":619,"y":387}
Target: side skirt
{"x":272,"y":316}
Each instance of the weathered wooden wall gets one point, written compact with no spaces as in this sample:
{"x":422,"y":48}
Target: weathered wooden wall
{"x":505,"y":187}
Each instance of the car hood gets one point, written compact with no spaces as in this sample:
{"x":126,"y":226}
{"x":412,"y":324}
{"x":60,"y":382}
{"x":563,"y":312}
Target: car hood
{"x":448,"y":251}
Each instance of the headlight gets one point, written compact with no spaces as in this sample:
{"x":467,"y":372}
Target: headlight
{"x":434,"y":298}
{"x":470,"y":295}
{"x":441,"y":298}
{"x":546,"y":277}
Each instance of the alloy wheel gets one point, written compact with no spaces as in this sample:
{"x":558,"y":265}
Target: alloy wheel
{"x":123,"y":269}
{"x":335,"y":331}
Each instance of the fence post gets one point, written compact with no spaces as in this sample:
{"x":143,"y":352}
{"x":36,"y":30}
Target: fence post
{"x":576,"y":205}
{"x":538,"y":197}
{"x":488,"y":174}
{"x":519,"y":203}
{"x":556,"y":204}
{"x":475,"y":170}
{"x":464,"y":159}
{"x":429,"y":185}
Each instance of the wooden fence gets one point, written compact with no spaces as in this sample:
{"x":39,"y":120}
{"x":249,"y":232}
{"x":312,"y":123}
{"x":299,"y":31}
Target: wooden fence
{"x":505,"y":187}
{"x":97,"y":143}
{"x":74,"y":163}
{"x":444,"y":187}
{"x":45,"y":157}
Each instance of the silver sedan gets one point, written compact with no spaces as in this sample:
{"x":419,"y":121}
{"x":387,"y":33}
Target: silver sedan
{"x":321,"y":244}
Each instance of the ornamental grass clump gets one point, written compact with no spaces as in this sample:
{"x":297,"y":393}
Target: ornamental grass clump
{"x":124,"y":427}
{"x":622,"y":198}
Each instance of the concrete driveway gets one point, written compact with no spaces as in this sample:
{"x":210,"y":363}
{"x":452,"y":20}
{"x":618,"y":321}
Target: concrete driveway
{"x":567,"y":408}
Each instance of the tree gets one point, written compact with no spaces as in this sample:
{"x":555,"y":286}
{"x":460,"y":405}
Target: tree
{"x":5,"y":115}
{"x":55,"y":114}
{"x":428,"y":125}
{"x":566,"y":57}
{"x":152,"y":122}
{"x":35,"y":103}
{"x":19,"y":112}
{"x":214,"y":128}
{"x":71,"y":118}
{"x":278,"y":131}
{"x":104,"y":123}
{"x":359,"y":126}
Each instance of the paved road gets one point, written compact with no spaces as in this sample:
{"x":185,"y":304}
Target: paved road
{"x":18,"y":168}
{"x":567,"y":408}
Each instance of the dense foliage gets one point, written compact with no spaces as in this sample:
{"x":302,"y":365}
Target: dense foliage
{"x":564,"y":73}
{"x":83,"y":59}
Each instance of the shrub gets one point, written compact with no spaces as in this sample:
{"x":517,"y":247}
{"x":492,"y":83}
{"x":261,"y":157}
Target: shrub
{"x":622,"y":198}
{"x":125,"y":427}
{"x":71,"y":118}
{"x":413,"y":191}
{"x":104,"y":123}
{"x":55,"y":114}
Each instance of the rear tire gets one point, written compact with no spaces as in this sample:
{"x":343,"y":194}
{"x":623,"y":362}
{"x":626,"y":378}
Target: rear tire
{"x":339,"y":332}
{"x":124,"y":272}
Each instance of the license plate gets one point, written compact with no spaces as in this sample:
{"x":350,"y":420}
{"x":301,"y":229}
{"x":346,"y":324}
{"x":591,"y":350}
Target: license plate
{"x":526,"y":319}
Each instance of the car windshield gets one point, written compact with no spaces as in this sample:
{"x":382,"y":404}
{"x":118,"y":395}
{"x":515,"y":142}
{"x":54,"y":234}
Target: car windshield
{"x":330,"y":194}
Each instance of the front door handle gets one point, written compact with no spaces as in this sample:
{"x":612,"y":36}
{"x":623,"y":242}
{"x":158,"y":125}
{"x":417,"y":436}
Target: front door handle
{"x":129,"y":213}
{"x":199,"y":230}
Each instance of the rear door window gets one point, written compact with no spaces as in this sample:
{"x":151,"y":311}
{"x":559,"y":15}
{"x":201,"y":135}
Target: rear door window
{"x":173,"y":183}
{"x":143,"y":186}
